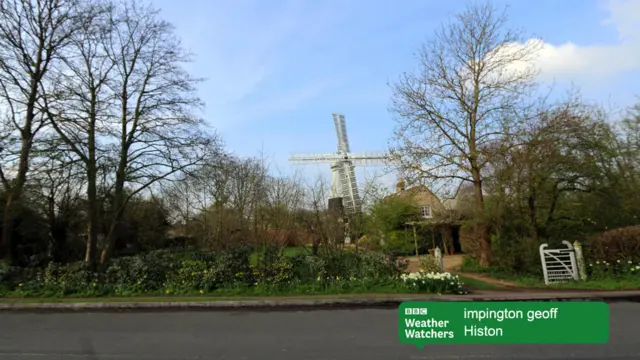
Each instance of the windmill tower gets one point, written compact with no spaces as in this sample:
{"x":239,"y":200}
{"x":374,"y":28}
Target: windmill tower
{"x":344,"y":187}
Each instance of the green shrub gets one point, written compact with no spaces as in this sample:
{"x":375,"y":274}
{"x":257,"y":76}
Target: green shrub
{"x":602,"y":270}
{"x":429,"y":264}
{"x":618,"y":244}
{"x":193,"y":272}
{"x":369,"y":243}
{"x":142,"y":273}
{"x":470,"y":264}
{"x":469,"y":239}
{"x":308,"y":268}
{"x":376,"y":265}
{"x":189,"y":276}
{"x":513,"y":254}
{"x":399,"y":243}
{"x":234,"y":265}
{"x":9,"y":275}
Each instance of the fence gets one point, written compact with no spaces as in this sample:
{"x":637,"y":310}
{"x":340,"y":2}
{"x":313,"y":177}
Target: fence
{"x":559,"y":265}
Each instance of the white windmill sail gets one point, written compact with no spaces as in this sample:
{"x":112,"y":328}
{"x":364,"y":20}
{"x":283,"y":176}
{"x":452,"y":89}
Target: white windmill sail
{"x":343,"y":182}
{"x":341,"y":132}
{"x":348,"y":182}
{"x":350,"y":195}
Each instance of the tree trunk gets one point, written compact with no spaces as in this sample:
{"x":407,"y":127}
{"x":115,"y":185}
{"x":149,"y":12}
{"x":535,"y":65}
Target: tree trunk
{"x":482,"y":230}
{"x":92,"y":193}
{"x":92,"y":203}
{"x":314,"y":244}
{"x":7,"y":230}
{"x":15,"y":192}
{"x":116,"y":218}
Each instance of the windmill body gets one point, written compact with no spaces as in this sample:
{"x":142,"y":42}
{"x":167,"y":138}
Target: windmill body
{"x":344,"y":187}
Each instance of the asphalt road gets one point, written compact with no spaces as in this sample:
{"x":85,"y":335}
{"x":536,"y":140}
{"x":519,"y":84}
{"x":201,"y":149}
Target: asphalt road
{"x":314,"y":335}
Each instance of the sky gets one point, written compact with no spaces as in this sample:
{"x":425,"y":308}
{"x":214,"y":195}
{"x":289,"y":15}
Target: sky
{"x":277,"y":69}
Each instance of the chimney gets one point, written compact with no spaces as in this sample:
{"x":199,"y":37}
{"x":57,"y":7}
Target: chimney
{"x":400,"y":185}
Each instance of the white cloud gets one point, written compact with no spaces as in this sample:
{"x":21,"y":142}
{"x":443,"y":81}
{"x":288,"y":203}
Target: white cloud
{"x":568,"y":61}
{"x":624,"y":15}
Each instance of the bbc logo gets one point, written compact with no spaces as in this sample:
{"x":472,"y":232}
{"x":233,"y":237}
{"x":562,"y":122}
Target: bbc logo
{"x":415,"y":311}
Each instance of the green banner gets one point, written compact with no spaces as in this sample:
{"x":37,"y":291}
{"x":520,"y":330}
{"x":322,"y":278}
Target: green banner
{"x":423,"y":323}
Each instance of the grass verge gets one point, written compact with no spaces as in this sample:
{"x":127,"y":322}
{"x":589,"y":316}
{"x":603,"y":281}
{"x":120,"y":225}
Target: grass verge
{"x":294,"y":292}
{"x":595,"y":284}
{"x":152,"y":299}
{"x":475,"y":284}
{"x":631,"y":282}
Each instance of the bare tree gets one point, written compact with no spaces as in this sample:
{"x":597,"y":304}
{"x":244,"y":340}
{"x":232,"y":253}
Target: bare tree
{"x":246,"y":187}
{"x":279,"y":210}
{"x":157,"y":133}
{"x":58,"y":185}
{"x":32,"y":35}
{"x":180,"y":197}
{"x":212,"y":183}
{"x":83,"y":103}
{"x":468,"y":91}
{"x":324,"y":226}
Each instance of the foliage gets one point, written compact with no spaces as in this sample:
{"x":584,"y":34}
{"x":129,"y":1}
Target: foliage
{"x":429,"y":264}
{"x":611,"y":246}
{"x":194,"y":272}
{"x":369,"y":243}
{"x":561,"y":171}
{"x":385,"y":226}
{"x":516,"y":254}
{"x":389,"y":214}
{"x":598,"y":270}
{"x":400,"y":243}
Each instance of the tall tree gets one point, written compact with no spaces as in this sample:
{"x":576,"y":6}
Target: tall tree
{"x":467,"y":92}
{"x":33,"y":33}
{"x":156,"y":133}
{"x":84,"y":103}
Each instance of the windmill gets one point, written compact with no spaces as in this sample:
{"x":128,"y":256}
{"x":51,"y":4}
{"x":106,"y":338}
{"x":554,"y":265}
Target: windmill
{"x":344,"y":187}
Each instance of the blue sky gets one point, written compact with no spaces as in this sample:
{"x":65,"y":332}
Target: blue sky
{"x":277,"y":69}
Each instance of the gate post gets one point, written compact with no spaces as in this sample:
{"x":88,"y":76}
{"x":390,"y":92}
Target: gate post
{"x":582,"y":269}
{"x":544,"y":263}
{"x":572,"y":256}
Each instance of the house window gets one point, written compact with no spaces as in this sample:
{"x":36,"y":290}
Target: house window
{"x":426,"y":212}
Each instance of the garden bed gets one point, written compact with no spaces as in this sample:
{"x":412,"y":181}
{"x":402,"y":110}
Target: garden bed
{"x":233,"y":273}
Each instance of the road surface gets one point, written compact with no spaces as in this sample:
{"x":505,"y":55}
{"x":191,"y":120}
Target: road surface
{"x":314,"y":335}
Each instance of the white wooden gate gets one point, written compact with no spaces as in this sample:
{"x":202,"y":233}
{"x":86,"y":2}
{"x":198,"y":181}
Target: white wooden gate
{"x":558,"y":265}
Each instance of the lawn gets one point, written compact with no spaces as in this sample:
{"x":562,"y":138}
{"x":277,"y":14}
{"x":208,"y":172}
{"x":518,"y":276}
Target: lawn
{"x":531,"y":282}
{"x":626,"y":283}
{"x":132,"y":299}
{"x":475,"y":284}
